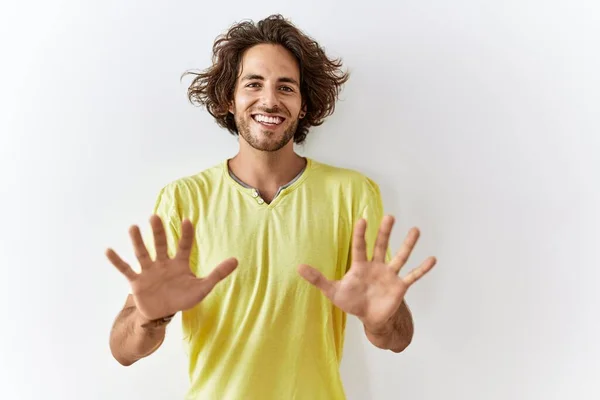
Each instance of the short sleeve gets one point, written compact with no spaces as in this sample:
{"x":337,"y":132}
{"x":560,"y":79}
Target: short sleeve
{"x":372,"y":211}
{"x":166,"y":208}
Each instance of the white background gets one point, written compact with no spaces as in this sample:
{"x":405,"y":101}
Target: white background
{"x":478,"y":119}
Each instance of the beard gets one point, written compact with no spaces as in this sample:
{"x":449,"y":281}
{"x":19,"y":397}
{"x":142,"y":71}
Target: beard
{"x":263,"y":139}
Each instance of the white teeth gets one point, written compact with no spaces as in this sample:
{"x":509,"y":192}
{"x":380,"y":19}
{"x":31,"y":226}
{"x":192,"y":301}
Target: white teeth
{"x":268,"y":120}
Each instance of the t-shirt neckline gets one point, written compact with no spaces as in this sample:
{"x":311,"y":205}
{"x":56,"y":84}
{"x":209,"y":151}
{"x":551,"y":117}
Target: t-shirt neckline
{"x":253,"y":193}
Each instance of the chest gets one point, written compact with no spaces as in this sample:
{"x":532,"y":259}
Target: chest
{"x":270,"y":244}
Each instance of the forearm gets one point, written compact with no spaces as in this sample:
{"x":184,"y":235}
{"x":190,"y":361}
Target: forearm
{"x":130,"y":340}
{"x":397,"y":334}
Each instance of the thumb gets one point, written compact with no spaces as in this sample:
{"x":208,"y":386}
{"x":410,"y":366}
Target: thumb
{"x":221,"y":271}
{"x":316,"y":278}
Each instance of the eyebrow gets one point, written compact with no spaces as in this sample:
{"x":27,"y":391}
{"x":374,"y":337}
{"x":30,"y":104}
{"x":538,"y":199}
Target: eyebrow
{"x":285,"y":79}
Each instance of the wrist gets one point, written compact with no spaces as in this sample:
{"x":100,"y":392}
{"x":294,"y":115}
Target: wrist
{"x":379,"y":339}
{"x":381,"y":329}
{"x":380,"y":335}
{"x":147,"y":323}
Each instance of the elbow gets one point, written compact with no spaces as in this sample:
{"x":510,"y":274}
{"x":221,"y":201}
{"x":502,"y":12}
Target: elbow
{"x":401,"y":346}
{"x":117,"y":355}
{"x":404,"y":342}
{"x":122,"y":361}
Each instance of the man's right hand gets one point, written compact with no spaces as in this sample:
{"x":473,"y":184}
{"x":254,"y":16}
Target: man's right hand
{"x":167,"y":285}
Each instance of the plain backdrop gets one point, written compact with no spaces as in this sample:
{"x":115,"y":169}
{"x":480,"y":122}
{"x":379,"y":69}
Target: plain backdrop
{"x":478,"y":119}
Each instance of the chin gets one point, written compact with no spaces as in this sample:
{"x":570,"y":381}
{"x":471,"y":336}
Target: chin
{"x":268,"y":145}
{"x":262,"y":139}
{"x":267,"y":141}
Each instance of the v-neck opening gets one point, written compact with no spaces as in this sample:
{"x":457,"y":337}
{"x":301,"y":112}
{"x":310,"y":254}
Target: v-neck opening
{"x":253,"y":194}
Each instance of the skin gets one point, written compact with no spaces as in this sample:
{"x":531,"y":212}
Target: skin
{"x":268,"y":84}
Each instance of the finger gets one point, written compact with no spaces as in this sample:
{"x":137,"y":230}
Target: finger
{"x":316,"y":278}
{"x":407,"y":247}
{"x":121,"y":265}
{"x":186,"y":241}
{"x":160,"y":238}
{"x":383,"y":238}
{"x":418,"y":272}
{"x":359,"y":245}
{"x":220,"y":272}
{"x":139,"y":247}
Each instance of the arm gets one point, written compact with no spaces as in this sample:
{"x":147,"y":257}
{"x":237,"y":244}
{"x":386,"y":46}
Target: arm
{"x":133,"y":336}
{"x":397,"y":334}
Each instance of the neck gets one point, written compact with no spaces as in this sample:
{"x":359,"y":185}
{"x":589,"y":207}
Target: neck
{"x":266,"y":171}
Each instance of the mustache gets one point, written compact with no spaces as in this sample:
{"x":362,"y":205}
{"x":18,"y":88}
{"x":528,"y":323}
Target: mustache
{"x":272,"y":110}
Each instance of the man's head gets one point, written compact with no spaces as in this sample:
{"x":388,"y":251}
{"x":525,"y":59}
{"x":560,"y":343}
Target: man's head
{"x":269,"y":83}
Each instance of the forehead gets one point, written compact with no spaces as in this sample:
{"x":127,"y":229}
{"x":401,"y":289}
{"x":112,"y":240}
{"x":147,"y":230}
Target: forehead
{"x":270,"y":61}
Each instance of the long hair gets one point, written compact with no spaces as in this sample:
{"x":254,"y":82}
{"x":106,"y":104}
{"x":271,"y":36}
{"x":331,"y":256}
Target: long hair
{"x":321,"y":78}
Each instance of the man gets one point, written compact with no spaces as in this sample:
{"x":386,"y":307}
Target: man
{"x":266,"y":253}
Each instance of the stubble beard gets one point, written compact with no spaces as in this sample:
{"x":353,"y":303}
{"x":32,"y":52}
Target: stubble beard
{"x":262,"y":141}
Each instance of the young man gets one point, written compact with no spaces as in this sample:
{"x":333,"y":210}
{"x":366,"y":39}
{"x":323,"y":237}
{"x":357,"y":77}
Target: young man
{"x":266,"y":253}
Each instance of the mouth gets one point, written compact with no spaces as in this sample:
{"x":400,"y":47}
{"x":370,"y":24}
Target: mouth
{"x":268,"y":120}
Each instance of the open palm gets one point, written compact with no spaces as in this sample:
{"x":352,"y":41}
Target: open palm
{"x":167,"y":285}
{"x":371,"y":289}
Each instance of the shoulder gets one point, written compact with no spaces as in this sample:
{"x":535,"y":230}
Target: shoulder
{"x":190,"y":188}
{"x":345,"y":188}
{"x":345,"y":178}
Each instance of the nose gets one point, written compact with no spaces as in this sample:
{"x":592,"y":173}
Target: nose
{"x":269,"y":97}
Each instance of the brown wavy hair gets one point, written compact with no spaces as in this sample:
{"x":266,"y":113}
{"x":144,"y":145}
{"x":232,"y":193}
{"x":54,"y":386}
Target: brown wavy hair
{"x":321,"y":78}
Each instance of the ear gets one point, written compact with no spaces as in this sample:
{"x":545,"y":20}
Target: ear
{"x":230,"y":109}
{"x":303,"y":111}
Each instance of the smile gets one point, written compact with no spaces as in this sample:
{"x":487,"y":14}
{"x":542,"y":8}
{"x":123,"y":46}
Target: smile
{"x":268,"y":120}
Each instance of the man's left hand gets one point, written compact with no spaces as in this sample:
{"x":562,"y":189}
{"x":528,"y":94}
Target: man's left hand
{"x":371,"y":289}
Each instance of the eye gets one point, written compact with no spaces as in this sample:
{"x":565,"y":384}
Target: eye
{"x":253,"y":85}
{"x":287,"y":89}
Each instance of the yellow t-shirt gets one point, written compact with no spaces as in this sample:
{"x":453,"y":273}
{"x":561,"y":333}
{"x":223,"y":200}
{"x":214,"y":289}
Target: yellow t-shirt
{"x":265,"y":333}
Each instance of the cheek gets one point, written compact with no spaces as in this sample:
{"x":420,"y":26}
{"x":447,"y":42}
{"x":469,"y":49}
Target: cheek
{"x":243,"y":101}
{"x":294,"y":106}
